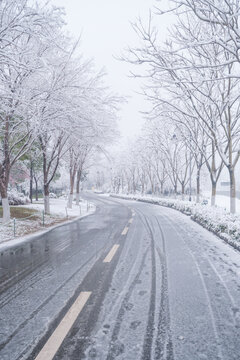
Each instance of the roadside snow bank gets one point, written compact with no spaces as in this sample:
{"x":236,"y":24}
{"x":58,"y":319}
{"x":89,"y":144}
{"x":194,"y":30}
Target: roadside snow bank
{"x":216,"y":220}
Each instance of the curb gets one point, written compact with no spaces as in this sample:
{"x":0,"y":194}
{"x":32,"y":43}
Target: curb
{"x":22,"y":239}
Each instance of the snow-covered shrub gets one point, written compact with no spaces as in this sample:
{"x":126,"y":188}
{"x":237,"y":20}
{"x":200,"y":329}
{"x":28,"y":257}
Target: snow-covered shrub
{"x":16,"y":198}
{"x":215,"y":219}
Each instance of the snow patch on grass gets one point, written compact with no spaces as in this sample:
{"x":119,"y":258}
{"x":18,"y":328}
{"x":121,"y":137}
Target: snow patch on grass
{"x":33,"y":223}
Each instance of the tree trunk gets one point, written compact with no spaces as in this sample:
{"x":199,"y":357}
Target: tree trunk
{"x":5,"y":171}
{"x":175,"y":190}
{"x":31,"y":181}
{"x":122,"y":183}
{"x":6,"y":210}
{"x":70,"y":200}
{"x":70,"y":197}
{"x":213,"y":196}
{"x":36,"y":188}
{"x":77,"y":198}
{"x":77,"y":191}
{"x":161,"y":187}
{"x":198,"y":186}
{"x":232,"y":191}
{"x":118,"y":186}
{"x":5,"y":205}
{"x":213,"y":176}
{"x":5,"y":202}
{"x":46,"y":199}
{"x":152,"y":187}
{"x":183,"y":191}
{"x":45,"y":185}
{"x":133,"y":185}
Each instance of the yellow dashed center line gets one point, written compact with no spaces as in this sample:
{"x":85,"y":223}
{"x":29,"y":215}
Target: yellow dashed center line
{"x":125,"y":230}
{"x":54,"y":342}
{"x":111,"y":253}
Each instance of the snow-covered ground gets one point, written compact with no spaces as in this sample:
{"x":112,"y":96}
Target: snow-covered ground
{"x":38,"y":223}
{"x":58,"y":207}
{"x":223,"y":201}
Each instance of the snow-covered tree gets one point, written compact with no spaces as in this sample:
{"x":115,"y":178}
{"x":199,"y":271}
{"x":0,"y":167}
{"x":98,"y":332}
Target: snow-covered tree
{"x":25,"y":31}
{"x":193,"y":79}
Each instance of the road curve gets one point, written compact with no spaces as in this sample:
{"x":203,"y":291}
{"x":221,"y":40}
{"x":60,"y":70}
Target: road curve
{"x":161,"y":287}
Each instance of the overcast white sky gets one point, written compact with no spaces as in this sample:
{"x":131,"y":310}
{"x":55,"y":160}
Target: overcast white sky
{"x":106,"y":31}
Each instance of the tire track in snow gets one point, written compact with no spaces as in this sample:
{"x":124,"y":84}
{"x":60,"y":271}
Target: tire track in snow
{"x":8,"y":281}
{"x":210,"y":263}
{"x":211,"y":312}
{"x":147,"y":345}
{"x":122,"y":310}
{"x":164,"y":345}
{"x":19,"y":288}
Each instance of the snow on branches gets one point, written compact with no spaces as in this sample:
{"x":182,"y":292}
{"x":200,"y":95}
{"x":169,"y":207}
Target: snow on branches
{"x":49,"y":94}
{"x":192,"y":81}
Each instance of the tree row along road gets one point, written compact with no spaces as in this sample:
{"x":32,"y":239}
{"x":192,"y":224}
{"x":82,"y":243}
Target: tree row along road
{"x":132,"y":281}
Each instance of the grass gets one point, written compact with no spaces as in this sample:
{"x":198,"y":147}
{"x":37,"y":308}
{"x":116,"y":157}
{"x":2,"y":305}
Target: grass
{"x":19,"y":212}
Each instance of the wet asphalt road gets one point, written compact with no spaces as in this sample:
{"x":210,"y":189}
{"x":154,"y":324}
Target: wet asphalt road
{"x":171,"y":291}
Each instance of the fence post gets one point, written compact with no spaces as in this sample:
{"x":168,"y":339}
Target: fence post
{"x":14,"y":227}
{"x":66,"y":212}
{"x":80,"y":209}
{"x":87,"y":206}
{"x":43,"y":222}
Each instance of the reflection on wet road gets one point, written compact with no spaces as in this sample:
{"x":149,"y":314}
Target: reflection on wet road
{"x":38,"y":278}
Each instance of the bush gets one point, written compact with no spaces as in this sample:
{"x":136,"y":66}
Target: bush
{"x":16,"y":198}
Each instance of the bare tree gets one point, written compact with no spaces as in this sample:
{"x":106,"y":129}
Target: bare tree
{"x":195,"y":82}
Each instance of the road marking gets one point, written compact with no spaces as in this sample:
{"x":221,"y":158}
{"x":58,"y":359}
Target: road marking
{"x":130,"y":221}
{"x":54,"y":342}
{"x":111,"y":253}
{"x":125,"y":230}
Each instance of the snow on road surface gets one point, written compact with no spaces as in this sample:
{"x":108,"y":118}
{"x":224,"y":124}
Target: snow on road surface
{"x":171,"y":291}
{"x":175,"y":296}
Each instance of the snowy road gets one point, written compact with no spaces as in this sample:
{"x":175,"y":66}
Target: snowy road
{"x":160,"y":287}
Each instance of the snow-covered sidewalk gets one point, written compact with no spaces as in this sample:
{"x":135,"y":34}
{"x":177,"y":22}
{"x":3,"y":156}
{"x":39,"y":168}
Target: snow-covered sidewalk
{"x":223,"y":201}
{"x":38,"y":222}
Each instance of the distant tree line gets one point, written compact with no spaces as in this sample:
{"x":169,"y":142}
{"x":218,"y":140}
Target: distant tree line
{"x":193,"y":83}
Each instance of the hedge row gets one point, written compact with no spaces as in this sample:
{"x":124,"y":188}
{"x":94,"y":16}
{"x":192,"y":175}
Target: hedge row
{"x":214,"y":219}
